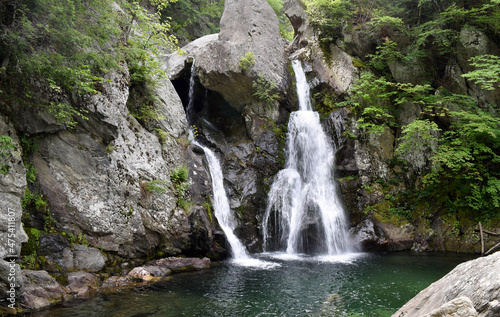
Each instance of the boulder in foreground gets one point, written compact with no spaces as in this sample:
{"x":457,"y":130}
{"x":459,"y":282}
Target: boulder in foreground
{"x":477,"y":281}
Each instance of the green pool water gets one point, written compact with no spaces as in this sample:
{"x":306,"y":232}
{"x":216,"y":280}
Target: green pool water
{"x":353,"y":285}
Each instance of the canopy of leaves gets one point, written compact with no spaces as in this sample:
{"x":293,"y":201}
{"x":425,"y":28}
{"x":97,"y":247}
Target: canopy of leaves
{"x":68,"y":45}
{"x":458,"y":133}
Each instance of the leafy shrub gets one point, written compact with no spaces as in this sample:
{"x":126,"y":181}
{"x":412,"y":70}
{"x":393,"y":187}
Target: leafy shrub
{"x":179,"y":178}
{"x":156,"y":186}
{"x":487,"y":74}
{"x":264,"y":91}
{"x":247,"y":61}
{"x":6,"y":145}
{"x":179,"y":175}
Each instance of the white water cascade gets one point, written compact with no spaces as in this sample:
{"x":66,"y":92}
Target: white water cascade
{"x":304,"y":213}
{"x":224,"y":216}
{"x":220,"y":202}
{"x":221,"y":206}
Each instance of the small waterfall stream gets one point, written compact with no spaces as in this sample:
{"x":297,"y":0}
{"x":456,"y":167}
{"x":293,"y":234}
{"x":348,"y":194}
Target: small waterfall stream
{"x":220,"y":202}
{"x":304,"y":213}
{"x":221,"y":205}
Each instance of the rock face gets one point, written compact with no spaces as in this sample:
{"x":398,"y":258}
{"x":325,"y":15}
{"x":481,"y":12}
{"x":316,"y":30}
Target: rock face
{"x":12,"y":186}
{"x":247,"y":27}
{"x":475,"y":281}
{"x":94,"y":176}
{"x":473,"y":42}
{"x":242,"y":130}
{"x":72,"y":258}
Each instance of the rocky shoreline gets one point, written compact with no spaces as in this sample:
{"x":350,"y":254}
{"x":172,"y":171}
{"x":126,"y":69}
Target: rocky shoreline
{"x":41,"y":290}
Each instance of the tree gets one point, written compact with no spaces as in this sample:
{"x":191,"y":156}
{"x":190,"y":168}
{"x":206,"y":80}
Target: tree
{"x":487,"y":74}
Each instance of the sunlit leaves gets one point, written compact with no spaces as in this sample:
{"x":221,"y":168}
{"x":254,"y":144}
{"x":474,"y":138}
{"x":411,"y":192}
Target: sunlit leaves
{"x":417,"y":136}
{"x":487,"y":73}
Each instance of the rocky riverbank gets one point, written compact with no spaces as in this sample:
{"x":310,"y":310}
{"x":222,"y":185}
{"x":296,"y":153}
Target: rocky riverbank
{"x":41,"y":290}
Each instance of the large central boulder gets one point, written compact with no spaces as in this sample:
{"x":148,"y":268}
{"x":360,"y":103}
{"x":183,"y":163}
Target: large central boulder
{"x":249,"y":31}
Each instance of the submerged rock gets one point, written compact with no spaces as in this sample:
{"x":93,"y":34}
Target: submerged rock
{"x":475,"y":281}
{"x":82,"y":284}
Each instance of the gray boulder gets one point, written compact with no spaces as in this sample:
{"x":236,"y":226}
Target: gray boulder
{"x":82,"y":284}
{"x":40,"y":290}
{"x":477,"y":280}
{"x":95,"y":175}
{"x":81,"y":257}
{"x":249,"y":26}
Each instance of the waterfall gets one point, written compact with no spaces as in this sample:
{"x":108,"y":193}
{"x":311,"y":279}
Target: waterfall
{"x":220,"y":202}
{"x":304,"y":213}
{"x":221,"y":205}
{"x":189,"y":109}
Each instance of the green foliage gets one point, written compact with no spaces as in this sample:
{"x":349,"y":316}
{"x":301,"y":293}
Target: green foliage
{"x":264,"y":91}
{"x":247,"y":61}
{"x":286,"y":29}
{"x":179,"y":178}
{"x":442,"y":31}
{"x":209,"y":207}
{"x":6,"y":145}
{"x":401,"y":212}
{"x":29,"y":262}
{"x":34,"y":199}
{"x":380,"y":22}
{"x":325,"y":102}
{"x":386,"y":53}
{"x":179,"y":175}
{"x":417,"y":136}
{"x":65,"y":114}
{"x":191,"y":19}
{"x":329,"y":16}
{"x":147,"y":113}
{"x":75,"y":239}
{"x":487,"y":74}
{"x":156,"y":186}
{"x":467,"y":164}
{"x":162,"y":135}
{"x":147,"y":36}
{"x":53,"y":42}
{"x":67,"y":46}
{"x":370,"y":99}
{"x":29,"y":250}
{"x":29,"y":146}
